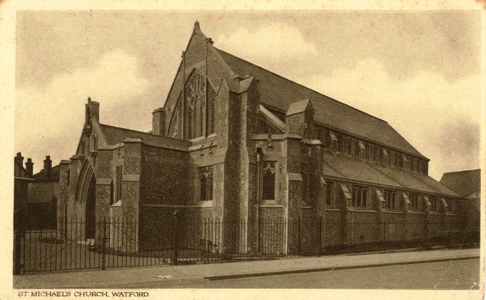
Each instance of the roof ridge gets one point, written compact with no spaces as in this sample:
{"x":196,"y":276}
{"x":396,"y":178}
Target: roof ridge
{"x":138,"y":131}
{"x":463,"y":171}
{"x":314,"y":91}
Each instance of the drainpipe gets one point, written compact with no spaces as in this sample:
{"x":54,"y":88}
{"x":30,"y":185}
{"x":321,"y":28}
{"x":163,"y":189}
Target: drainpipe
{"x":259,"y":196}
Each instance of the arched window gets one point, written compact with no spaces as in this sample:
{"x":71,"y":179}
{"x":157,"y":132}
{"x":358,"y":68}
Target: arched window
{"x":112,"y":197}
{"x":268,"y":180}
{"x":206,"y":183}
{"x":200,"y":107}
{"x":119,"y":177}
{"x":211,"y":110}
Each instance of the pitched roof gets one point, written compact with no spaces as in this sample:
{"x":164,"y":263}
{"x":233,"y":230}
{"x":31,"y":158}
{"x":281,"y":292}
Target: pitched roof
{"x":42,"y":176}
{"x":463,"y":182}
{"x":352,"y":168}
{"x":279,"y":93}
{"x":115,"y":135}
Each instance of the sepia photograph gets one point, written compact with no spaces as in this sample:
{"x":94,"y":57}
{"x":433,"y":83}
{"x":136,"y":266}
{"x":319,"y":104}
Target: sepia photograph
{"x":253,"y":149}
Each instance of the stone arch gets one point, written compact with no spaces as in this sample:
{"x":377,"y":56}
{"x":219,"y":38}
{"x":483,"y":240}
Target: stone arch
{"x":86,"y":197}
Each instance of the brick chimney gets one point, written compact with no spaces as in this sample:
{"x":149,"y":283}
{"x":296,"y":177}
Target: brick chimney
{"x":19,"y":159}
{"x":48,"y":166}
{"x":29,"y":166}
{"x":158,"y":121}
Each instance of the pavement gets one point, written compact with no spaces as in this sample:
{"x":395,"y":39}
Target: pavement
{"x":131,"y":277}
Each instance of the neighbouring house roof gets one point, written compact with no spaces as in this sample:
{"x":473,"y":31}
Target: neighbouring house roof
{"x":278,"y":93}
{"x":42,"y":176}
{"x":463,"y":182}
{"x":354,"y":169}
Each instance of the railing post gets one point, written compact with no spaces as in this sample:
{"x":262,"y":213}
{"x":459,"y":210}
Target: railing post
{"x":103,"y":246}
{"x":319,"y":236}
{"x":175,"y":237}
{"x":384,"y":234}
{"x":298,"y":235}
{"x":17,"y":241}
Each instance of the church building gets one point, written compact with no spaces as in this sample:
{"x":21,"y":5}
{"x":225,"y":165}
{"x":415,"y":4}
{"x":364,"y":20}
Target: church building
{"x":234,"y":141}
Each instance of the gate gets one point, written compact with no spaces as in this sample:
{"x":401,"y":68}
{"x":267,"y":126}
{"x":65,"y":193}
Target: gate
{"x":45,"y":250}
{"x":112,"y":243}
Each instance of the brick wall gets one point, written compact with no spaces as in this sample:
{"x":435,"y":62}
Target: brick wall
{"x":163,"y":179}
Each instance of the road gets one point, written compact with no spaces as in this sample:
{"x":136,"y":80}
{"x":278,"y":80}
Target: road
{"x":457,"y":274}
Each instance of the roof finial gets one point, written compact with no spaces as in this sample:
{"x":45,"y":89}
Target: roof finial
{"x":196,"y":25}
{"x":89,"y":99}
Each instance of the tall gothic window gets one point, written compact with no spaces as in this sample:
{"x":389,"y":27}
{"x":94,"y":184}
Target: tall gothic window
{"x":211,"y":110}
{"x":199,"y":108}
{"x":206,"y":183}
{"x":268,"y":180}
{"x":112,"y":197}
{"x":195,"y":91}
{"x":119,"y":174}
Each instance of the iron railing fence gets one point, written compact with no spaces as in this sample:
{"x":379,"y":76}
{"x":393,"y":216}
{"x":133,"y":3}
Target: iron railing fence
{"x":111,"y":242}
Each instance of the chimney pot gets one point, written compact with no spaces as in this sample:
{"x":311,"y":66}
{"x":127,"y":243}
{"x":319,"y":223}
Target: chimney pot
{"x":48,"y":166}
{"x":19,"y":159}
{"x":29,"y":167}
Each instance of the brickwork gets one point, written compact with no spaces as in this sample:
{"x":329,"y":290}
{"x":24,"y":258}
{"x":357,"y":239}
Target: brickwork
{"x":163,"y":179}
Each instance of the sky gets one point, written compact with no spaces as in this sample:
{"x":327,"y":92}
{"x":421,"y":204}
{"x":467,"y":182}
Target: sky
{"x":419,"y":71}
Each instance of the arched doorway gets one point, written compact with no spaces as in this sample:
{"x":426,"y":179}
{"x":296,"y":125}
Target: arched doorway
{"x":86,"y":198}
{"x":91,"y":209}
